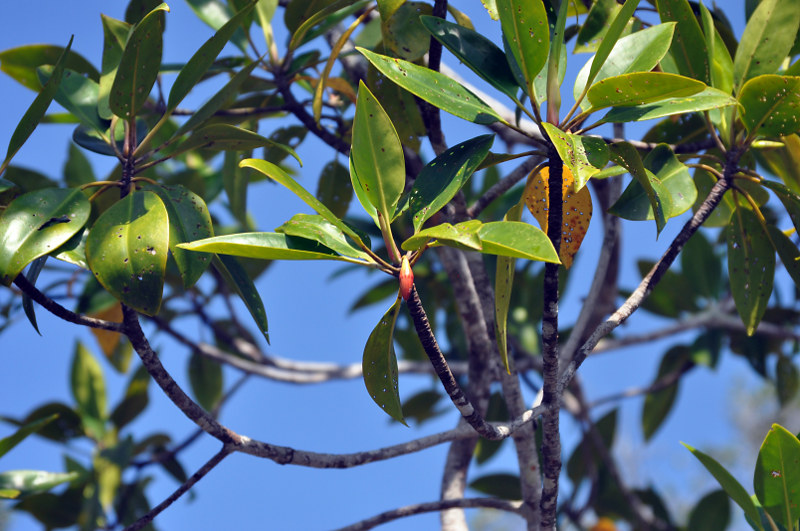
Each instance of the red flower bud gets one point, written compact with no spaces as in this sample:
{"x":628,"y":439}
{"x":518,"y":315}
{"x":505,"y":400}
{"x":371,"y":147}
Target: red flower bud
{"x":406,"y":279}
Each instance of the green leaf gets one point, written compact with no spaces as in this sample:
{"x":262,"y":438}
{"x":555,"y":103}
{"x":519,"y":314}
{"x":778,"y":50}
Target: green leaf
{"x":277,"y":174}
{"x":790,"y":200}
{"x":517,"y":240}
{"x":215,"y":13}
{"x":526,"y":29}
{"x":27,"y":303}
{"x":705,"y":100}
{"x":379,"y":365}
{"x":638,"y":52}
{"x":334,"y":189}
{"x":310,"y":17}
{"x":701,"y":266}
{"x":38,"y":223}
{"x":689,"y":45}
{"x":265,"y":246}
{"x":77,"y":170}
{"x":554,"y":66}
{"x":626,"y":156}
{"x":787,"y":380}
{"x":127,"y":250}
{"x":787,"y":251}
{"x":435,"y":88}
{"x":317,"y":228}
{"x":503,"y":287}
{"x":658,"y":404}
{"x":26,"y":482}
{"x":21,"y":63}
{"x":138,"y":66}
{"x":403,"y":33}
{"x":377,"y":154}
{"x":751,"y":267}
{"x":769,"y":105}
{"x":189,"y":220}
{"x":203,"y":58}
{"x":205,"y":377}
{"x":7,"y":443}
{"x":634,"y":203}
{"x":712,"y":511}
{"x":36,"y":111}
{"x":718,"y":56}
{"x":115,"y":35}
{"x":480,"y":54}
{"x":237,"y":278}
{"x":88,"y":389}
{"x":732,"y":487}
{"x":228,"y":138}
{"x":361,"y":194}
{"x":767,"y":39}
{"x":578,"y":466}
{"x":463,"y":235}
{"x":596,"y":25}
{"x":443,"y":177}
{"x":640,"y":88}
{"x":504,"y":486}
{"x":135,"y":400}
{"x":78,"y":95}
{"x":777,"y":477}
{"x":585,"y":156}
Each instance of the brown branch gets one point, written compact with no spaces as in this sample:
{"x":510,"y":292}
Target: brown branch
{"x":440,"y":505}
{"x":297,"y":109}
{"x":430,"y":114}
{"x":59,"y":311}
{"x":180,"y":491}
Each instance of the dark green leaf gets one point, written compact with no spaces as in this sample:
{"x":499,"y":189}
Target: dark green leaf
{"x":7,"y":443}
{"x":88,"y":389}
{"x":301,"y":17}
{"x":496,"y":411}
{"x":658,"y":404}
{"x":189,"y":220}
{"x":228,"y":138}
{"x":585,"y":156}
{"x":403,"y":33}
{"x":689,"y":45}
{"x":27,"y":303}
{"x":504,"y":486}
{"x":787,"y":380}
{"x":640,"y":88}
{"x":443,"y":177}
{"x":37,"y":223}
{"x":789,"y":198}
{"x":476,"y":51}
{"x":578,"y":465}
{"x":334,"y":189}
{"x":503,"y":288}
{"x":205,"y":376}
{"x":777,"y":476}
{"x":78,"y":95}
{"x":712,"y":511}
{"x":237,"y":278}
{"x":701,"y":266}
{"x":751,"y":266}
{"x":769,"y":105}
{"x":526,"y":29}
{"x":596,"y":25}
{"x":377,"y":154}
{"x":77,"y":170}
{"x":422,"y":406}
{"x":659,"y":197}
{"x":766,"y":41}
{"x":115,"y":35}
{"x":435,"y":88}
{"x":787,"y":251}
{"x":379,"y":365}
{"x":135,"y":400}
{"x":138,"y":66}
{"x":127,"y":250}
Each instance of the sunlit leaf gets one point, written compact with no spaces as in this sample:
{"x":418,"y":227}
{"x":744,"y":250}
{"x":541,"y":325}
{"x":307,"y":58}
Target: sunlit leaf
{"x":517,"y":240}
{"x":769,"y":105}
{"x":264,"y":246}
{"x":688,"y":45}
{"x":503,"y":286}
{"x":751,"y":266}
{"x":379,"y":365}
{"x":526,"y":29}
{"x":317,"y":228}
{"x":767,"y":39}
{"x":777,"y":478}
{"x":215,"y":13}
{"x":585,"y":156}
{"x":463,"y":235}
{"x":640,"y":88}
{"x":576,"y":210}
{"x":705,"y":100}
{"x":21,"y":63}
{"x":26,"y":482}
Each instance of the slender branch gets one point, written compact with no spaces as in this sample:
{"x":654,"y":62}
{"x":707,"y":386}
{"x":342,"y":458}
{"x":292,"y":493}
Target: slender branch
{"x":439,"y":505}
{"x":180,"y":491}
{"x":502,"y":186}
{"x":293,"y":106}
{"x":662,"y":383}
{"x":462,"y":403}
{"x":430,"y":114}
{"x":59,"y":311}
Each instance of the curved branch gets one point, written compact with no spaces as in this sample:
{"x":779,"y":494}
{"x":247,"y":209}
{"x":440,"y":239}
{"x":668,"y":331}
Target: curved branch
{"x":440,"y":505}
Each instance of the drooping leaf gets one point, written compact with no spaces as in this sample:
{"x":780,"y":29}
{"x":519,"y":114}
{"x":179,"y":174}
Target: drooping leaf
{"x":585,"y":156}
{"x":37,"y":223}
{"x":27,"y":303}
{"x":777,"y":477}
{"x":127,"y":250}
{"x":277,"y":174}
{"x":658,"y":404}
{"x":769,"y":105}
{"x":526,"y":29}
{"x":443,"y":177}
{"x":732,"y":487}
{"x":235,"y":275}
{"x":637,"y":52}
{"x":504,"y":486}
{"x":640,"y":88}
{"x":379,"y":365}
{"x":634,"y":203}
{"x":435,"y":88}
{"x":135,"y":400}
{"x":517,"y":240}
{"x":334,"y":189}
{"x":688,"y":45}
{"x":767,"y":39}
{"x":36,"y":111}
{"x":787,"y":380}
{"x":189,"y":220}
{"x":264,"y":246}
{"x":463,"y":235}
{"x":7,"y":443}
{"x":300,"y":22}
{"x":377,"y":154}
{"x":787,"y":251}
{"x":626,"y":156}
{"x":701,"y":266}
{"x":88,"y":389}
{"x":317,"y":228}
{"x":203,"y":58}
{"x":205,"y":377}
{"x":708,"y":99}
{"x":713,"y":510}
{"x":751,"y":266}
{"x":138,"y":66}
{"x":476,"y":51}
{"x":789,"y":198}
{"x":576,"y":210}
{"x":503,"y":287}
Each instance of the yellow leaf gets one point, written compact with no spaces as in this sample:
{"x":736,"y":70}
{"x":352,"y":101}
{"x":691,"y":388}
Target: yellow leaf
{"x":107,"y":339}
{"x":577,"y":210}
{"x":604,"y":524}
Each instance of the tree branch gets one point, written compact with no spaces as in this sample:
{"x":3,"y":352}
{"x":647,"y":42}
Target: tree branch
{"x":502,"y":186}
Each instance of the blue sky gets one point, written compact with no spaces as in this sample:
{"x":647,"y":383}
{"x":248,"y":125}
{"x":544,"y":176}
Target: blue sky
{"x":309,"y":321}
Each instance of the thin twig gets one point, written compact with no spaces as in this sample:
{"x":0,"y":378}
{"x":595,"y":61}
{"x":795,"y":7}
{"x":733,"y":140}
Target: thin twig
{"x":502,"y":186}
